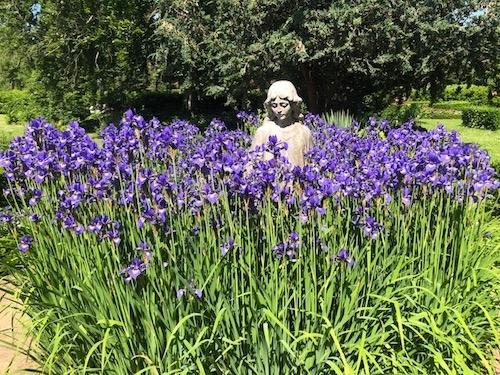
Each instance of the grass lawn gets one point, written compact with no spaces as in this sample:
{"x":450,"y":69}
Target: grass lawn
{"x":488,"y":140}
{"x":10,"y":130}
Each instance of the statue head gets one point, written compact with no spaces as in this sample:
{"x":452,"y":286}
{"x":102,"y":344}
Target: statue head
{"x":283,"y":103}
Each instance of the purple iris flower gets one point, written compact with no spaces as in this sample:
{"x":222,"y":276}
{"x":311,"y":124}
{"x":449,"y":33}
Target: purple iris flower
{"x":35,"y":218}
{"x":25,"y":243}
{"x":280,"y":249}
{"x":198,"y":293}
{"x":227,"y":246}
{"x":212,"y":197}
{"x":371,"y":227}
{"x":343,"y":256}
{"x":248,"y":117}
{"x":5,"y":217}
{"x":133,"y":270}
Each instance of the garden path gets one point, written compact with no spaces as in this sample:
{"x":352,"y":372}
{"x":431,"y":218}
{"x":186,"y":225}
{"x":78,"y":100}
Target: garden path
{"x":12,"y":336}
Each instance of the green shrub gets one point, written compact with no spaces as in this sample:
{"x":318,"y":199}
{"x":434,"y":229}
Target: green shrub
{"x":456,"y":105}
{"x":483,"y":118}
{"x":398,"y":114}
{"x":440,"y":113}
{"x":473,"y":93}
{"x":18,"y":105}
{"x":495,"y":101}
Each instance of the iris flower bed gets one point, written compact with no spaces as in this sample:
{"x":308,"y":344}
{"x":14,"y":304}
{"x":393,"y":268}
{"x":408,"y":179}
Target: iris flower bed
{"x":173,"y":251}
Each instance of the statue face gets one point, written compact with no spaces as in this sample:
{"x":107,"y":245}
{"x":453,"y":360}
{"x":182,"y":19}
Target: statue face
{"x":282,"y":110}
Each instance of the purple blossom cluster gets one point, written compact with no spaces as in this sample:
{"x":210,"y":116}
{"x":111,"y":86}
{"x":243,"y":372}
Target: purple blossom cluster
{"x":153,"y":169}
{"x":25,"y":243}
{"x":288,"y":248}
{"x":138,"y":265}
{"x":343,"y":256}
{"x":45,"y":153}
{"x":227,"y":246}
{"x":248,"y":117}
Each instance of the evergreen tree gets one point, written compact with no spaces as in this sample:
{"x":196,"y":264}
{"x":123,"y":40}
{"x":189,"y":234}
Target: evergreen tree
{"x":340,"y":53}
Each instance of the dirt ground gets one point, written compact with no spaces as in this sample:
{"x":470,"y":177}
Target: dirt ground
{"x":12,"y":337}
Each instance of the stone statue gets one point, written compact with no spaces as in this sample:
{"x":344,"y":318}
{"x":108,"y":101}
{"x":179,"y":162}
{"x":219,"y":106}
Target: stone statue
{"x":284,"y":121}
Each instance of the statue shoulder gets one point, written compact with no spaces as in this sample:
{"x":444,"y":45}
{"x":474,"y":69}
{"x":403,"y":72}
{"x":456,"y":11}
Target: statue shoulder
{"x":262,"y":134}
{"x":307,"y":136}
{"x":306,"y":131}
{"x":266,"y":128}
{"x":268,"y":124}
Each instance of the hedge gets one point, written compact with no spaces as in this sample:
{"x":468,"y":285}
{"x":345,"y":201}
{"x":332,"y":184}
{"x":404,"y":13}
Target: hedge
{"x":18,"y":105}
{"x":475,"y":94}
{"x":440,"y":113}
{"x":398,"y":114}
{"x":483,"y":118}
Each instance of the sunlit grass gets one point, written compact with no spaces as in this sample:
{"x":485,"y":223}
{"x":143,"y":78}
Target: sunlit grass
{"x":9,"y":131}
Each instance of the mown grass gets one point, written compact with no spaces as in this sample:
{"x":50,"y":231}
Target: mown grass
{"x":488,"y":140}
{"x":9,"y":131}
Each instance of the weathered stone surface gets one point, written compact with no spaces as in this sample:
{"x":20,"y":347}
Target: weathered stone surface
{"x":284,"y":121}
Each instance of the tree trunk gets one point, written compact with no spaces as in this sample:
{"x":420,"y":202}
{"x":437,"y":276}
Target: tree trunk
{"x":311,"y":88}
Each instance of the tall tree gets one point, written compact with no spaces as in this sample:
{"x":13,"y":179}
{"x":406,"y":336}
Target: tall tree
{"x":15,"y":59}
{"x":338,"y":52}
{"x":85,"y":52}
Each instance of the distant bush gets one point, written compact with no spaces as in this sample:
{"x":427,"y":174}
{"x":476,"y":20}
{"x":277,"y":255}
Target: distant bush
{"x":481,"y":117}
{"x":399,"y":113}
{"x":440,"y":113}
{"x":18,"y":105}
{"x":457,"y":105}
{"x":473,"y":93}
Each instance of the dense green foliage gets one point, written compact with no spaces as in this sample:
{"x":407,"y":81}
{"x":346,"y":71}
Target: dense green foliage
{"x":340,"y":53}
{"x":351,"y":55}
{"x":18,"y":105}
{"x":397,"y":113}
{"x":473,"y":93}
{"x":79,"y":53}
{"x":476,"y":94}
{"x":409,"y":294}
{"x":484,"y":118}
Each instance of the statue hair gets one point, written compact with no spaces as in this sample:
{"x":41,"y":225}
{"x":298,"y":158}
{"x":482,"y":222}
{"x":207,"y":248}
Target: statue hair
{"x":284,"y":90}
